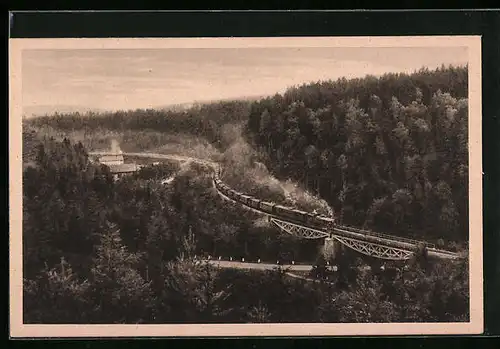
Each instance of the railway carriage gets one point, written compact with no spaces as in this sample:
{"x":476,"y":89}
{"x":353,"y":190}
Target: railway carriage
{"x":266,"y":207}
{"x":302,"y":216}
{"x":310,"y":219}
{"x":223,"y":187}
{"x":296,"y":215}
{"x":280,"y":210}
{"x":253,"y":202}
{"x":325,"y":220}
{"x":232,"y":194}
{"x":244,"y":199}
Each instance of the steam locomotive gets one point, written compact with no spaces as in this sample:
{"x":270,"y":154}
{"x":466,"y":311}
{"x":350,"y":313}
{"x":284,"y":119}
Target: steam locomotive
{"x":310,"y":219}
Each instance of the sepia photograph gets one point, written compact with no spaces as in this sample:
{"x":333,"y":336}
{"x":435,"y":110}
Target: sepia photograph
{"x":245,"y":186}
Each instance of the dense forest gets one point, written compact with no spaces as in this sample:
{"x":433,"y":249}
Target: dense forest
{"x":386,"y":153}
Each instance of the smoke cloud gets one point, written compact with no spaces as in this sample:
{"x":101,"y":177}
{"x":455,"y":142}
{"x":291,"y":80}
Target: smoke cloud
{"x":245,"y":172}
{"x":115,"y":147}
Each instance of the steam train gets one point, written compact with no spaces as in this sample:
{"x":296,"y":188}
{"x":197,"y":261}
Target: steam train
{"x":315,"y":220}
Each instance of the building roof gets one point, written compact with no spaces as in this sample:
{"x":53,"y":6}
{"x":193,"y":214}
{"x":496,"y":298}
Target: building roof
{"x":111,"y":157}
{"x":123,"y":168}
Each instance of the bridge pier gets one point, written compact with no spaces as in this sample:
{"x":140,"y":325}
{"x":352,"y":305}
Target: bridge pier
{"x":331,"y":248}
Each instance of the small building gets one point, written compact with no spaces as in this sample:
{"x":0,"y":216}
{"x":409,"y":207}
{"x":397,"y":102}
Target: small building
{"x":123,"y":169}
{"x":112,"y":160}
{"x":116,"y":164}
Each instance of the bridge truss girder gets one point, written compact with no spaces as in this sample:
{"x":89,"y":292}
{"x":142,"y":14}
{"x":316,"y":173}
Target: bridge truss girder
{"x":367,"y":248}
{"x":299,"y":230}
{"x":375,"y":250}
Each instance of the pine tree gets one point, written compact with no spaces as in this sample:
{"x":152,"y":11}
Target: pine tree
{"x":56,"y":296}
{"x":121,"y":293}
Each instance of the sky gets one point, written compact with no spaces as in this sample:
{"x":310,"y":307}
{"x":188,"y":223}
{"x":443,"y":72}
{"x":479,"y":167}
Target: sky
{"x":114,"y":79}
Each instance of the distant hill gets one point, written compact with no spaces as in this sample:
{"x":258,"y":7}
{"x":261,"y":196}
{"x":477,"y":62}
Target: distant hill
{"x":41,"y":110}
{"x":187,"y":105}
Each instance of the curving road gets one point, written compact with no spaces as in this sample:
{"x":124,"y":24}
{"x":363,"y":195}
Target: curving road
{"x":259,"y":266}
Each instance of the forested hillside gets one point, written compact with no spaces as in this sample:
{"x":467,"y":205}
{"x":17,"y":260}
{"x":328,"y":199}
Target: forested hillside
{"x":386,"y":153}
{"x":205,"y":121}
